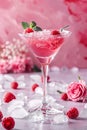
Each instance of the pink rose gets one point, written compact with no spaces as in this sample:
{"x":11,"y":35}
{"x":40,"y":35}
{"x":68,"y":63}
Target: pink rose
{"x":77,"y":91}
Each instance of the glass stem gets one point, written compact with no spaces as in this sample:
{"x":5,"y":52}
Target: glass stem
{"x":44,"y":76}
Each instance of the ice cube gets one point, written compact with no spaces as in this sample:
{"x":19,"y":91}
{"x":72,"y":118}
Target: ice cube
{"x":20,"y":78}
{"x":34,"y":104}
{"x":53,"y":111}
{"x":57,"y":106}
{"x":37,"y":116}
{"x":21,"y":84}
{"x":19,"y":112}
{"x":1,"y":88}
{"x":15,"y":104}
{"x":50,"y":99}
{"x":9,"y":78}
{"x":22,"y":97}
{"x":36,"y":78}
{"x":0,"y":102}
{"x":39,"y":90}
{"x":1,"y":79}
{"x":60,"y":118}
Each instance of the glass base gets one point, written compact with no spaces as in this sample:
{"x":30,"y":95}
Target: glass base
{"x":44,"y":112}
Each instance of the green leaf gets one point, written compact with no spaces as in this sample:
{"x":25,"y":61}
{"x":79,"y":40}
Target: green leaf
{"x":36,"y":28}
{"x":25,"y":25}
{"x":32,"y":24}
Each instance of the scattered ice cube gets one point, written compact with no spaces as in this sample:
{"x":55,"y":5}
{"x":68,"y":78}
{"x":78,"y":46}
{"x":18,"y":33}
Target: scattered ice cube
{"x":20,"y":78}
{"x":39,"y":90}
{"x":9,"y":78}
{"x":51,"y":84}
{"x":1,"y":78}
{"x":34,"y":104}
{"x":22,"y":97}
{"x":53,"y":111}
{"x":61,"y":86}
{"x":57,"y":106}
{"x":21,"y":84}
{"x":36,"y":78}
{"x":50,"y":99}
{"x":19,"y":112}
{"x":1,"y":88}
{"x":15,"y":104}
{"x":37,"y":116}
{"x":60,"y":118}
{"x":0,"y":102}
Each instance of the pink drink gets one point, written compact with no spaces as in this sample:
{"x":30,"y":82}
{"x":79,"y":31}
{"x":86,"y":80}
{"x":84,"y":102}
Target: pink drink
{"x":44,"y":45}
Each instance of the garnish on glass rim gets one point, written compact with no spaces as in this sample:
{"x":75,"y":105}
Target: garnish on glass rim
{"x":31,"y":25}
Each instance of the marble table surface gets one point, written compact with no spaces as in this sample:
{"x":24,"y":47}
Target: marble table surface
{"x":65,"y":76}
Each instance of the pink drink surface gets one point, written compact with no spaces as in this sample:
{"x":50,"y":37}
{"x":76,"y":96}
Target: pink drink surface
{"x":44,"y":45}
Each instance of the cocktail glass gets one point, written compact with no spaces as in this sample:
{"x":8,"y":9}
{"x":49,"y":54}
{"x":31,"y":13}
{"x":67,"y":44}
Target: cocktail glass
{"x":45,"y":45}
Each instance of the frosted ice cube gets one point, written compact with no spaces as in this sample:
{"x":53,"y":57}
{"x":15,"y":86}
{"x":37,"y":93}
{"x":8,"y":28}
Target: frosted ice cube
{"x":52,"y":84}
{"x":15,"y":104}
{"x":57,"y":106}
{"x":20,"y":78}
{"x":0,"y":102}
{"x":50,"y":99}
{"x":19,"y":112}
{"x":39,"y":90}
{"x":21,"y":84}
{"x":1,"y":88}
{"x":22,"y":97}
{"x":34,"y":104}
{"x":1,"y":79}
{"x":37,"y":116}
{"x":61,"y":86}
{"x":60,"y":118}
{"x":9,"y":78}
{"x":54,"y":111}
{"x":36,"y":78}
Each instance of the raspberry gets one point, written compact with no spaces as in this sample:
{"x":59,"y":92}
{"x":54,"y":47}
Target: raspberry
{"x":14,"y":85}
{"x":8,"y":123}
{"x":64,"y":96}
{"x":8,"y":96}
{"x":55,"y":32}
{"x":34,"y":86}
{"x":1,"y":115}
{"x":28,"y":30}
{"x":73,"y":113}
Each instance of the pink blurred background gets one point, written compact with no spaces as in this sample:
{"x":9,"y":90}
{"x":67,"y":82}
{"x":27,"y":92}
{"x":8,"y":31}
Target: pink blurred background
{"x":49,"y":14}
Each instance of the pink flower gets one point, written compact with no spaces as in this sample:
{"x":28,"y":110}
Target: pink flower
{"x":77,"y":91}
{"x":4,"y":67}
{"x":18,"y":66}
